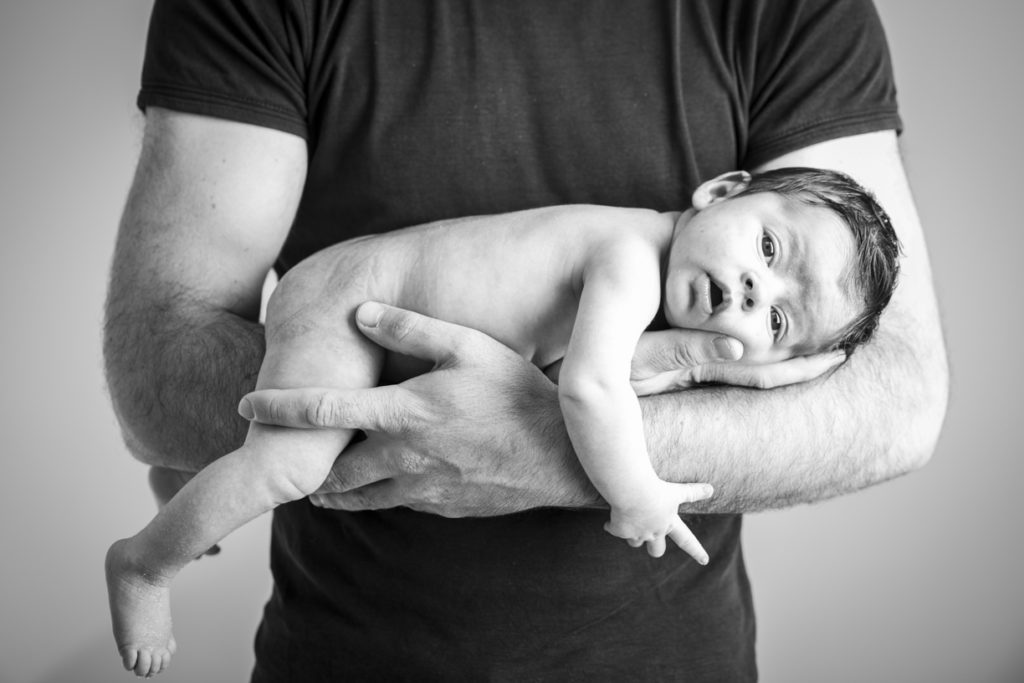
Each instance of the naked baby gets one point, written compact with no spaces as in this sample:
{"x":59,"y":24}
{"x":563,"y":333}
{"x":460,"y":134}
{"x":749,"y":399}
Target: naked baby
{"x":789,"y":262}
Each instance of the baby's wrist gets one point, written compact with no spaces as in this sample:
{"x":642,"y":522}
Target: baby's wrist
{"x":639,"y":497}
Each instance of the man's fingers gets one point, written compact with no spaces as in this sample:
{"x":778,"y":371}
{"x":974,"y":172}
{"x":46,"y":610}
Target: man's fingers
{"x":386,"y":409}
{"x":771,"y":375}
{"x":679,"y":358}
{"x":381,"y":495}
{"x":413,"y":334}
{"x":678,"y":349}
{"x":359,"y":466}
{"x":684,"y":538}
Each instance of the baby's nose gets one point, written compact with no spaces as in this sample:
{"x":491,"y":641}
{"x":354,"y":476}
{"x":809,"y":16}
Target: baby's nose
{"x":751,"y":291}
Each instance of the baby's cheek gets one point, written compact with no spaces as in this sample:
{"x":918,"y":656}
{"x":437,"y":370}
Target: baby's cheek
{"x":762,"y":354}
{"x":757,"y":348}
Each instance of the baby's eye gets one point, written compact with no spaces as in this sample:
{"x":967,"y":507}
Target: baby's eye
{"x":775,"y":320}
{"x":767,"y":246}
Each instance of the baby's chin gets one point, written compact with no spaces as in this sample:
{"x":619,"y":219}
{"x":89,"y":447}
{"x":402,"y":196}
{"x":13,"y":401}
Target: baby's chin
{"x":686,"y":320}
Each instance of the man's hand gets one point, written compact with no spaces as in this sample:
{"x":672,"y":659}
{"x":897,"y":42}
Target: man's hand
{"x":671,"y":360}
{"x":482,"y":433}
{"x":479,"y":435}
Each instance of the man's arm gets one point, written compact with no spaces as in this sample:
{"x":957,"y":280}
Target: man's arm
{"x":210,"y":206}
{"x":876,"y":417}
{"x":481,"y":434}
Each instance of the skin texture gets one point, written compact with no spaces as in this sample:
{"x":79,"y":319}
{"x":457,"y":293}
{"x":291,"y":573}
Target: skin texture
{"x":585,"y":286}
{"x":205,"y":219}
{"x":176,"y":401}
{"x":796,"y":449}
{"x":181,"y":344}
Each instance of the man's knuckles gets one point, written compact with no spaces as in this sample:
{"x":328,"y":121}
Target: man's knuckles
{"x":324,"y":410}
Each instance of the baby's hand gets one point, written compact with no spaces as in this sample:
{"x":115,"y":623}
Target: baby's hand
{"x":659,"y":517}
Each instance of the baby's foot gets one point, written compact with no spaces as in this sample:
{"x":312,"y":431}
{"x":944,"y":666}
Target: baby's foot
{"x":140,"y":609}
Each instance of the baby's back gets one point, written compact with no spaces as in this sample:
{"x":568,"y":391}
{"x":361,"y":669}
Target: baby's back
{"x":515,"y":276}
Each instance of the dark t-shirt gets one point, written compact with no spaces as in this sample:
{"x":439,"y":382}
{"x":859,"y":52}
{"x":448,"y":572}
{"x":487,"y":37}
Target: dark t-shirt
{"x":416,"y":111}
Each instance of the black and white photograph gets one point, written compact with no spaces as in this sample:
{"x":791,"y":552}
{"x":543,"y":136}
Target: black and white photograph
{"x":554,"y":340}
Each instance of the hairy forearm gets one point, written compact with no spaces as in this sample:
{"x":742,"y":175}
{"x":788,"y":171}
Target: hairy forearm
{"x":874,"y":418}
{"x":208,"y":212}
{"x":878,"y":416}
{"x":175,"y":374}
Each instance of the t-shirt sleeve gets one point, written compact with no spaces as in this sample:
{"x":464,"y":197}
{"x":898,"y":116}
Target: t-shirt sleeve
{"x":241,"y":60}
{"x":821,"y":70}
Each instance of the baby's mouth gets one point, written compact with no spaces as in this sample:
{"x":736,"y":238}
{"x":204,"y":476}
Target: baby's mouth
{"x":715,"y":294}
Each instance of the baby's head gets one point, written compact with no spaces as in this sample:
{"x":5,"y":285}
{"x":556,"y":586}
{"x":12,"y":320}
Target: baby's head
{"x":789,"y":262}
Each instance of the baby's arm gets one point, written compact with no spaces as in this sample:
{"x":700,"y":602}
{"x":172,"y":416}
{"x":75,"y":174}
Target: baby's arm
{"x":620,"y":294}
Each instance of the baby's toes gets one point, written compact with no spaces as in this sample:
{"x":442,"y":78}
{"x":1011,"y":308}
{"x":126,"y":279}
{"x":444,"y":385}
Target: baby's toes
{"x":166,"y":660}
{"x":161,"y":660}
{"x":144,"y":662}
{"x":129,"y":656}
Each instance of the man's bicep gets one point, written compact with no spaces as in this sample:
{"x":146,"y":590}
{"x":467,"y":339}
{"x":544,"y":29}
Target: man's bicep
{"x":210,"y":206}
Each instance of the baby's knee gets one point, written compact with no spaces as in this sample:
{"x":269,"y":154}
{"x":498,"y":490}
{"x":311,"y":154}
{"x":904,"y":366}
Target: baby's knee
{"x":312,"y":297}
{"x":292,"y":463}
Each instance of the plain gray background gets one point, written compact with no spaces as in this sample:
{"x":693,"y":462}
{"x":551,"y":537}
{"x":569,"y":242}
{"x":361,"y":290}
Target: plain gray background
{"x":915,"y":580}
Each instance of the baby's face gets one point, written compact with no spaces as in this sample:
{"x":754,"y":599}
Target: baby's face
{"x":764,"y":269}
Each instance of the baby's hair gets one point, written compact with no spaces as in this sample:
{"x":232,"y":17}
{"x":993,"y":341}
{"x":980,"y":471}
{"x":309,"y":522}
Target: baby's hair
{"x":877,"y":260}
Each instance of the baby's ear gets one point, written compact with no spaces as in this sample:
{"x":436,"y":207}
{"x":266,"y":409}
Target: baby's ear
{"x":719,"y":188}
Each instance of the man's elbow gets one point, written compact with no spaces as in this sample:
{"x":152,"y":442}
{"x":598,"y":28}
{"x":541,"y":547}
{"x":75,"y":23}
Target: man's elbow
{"x":136,"y":405}
{"x":141,"y":450}
{"x":139,"y":431}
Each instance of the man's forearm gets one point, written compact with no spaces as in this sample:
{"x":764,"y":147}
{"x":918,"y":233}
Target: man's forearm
{"x":210,"y":207}
{"x":175,"y":380}
{"x":443,"y":438}
{"x":875,"y":418}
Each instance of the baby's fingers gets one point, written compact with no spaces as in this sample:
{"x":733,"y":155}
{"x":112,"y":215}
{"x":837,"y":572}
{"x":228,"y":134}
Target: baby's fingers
{"x":620,"y":531}
{"x":684,"y":538}
{"x":656,"y":546}
{"x":692,"y":493}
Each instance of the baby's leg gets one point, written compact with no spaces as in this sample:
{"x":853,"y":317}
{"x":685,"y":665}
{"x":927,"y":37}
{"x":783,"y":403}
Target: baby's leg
{"x":307,"y":345}
{"x":165,"y":484}
{"x":231,"y":491}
